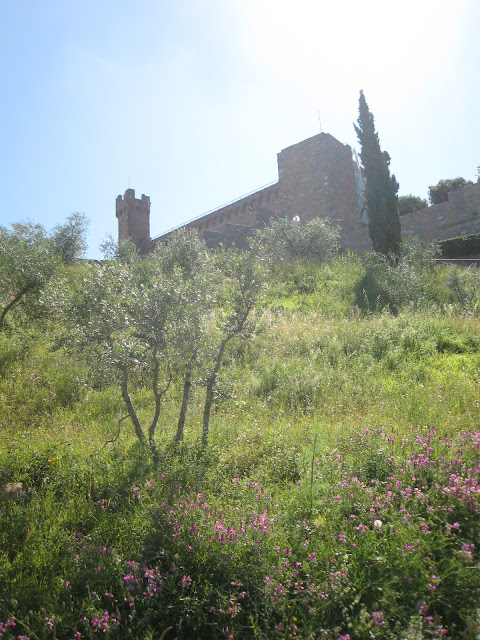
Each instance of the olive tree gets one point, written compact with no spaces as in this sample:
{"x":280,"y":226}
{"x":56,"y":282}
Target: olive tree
{"x":29,"y":257}
{"x":287,"y":239}
{"x":69,"y":240}
{"x":186,"y":258}
{"x":123,"y":315}
{"x":241,"y":282}
{"x":135,"y":316}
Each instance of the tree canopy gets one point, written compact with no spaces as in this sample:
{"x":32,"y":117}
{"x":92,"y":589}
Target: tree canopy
{"x":410,"y":203}
{"x":166,"y":316}
{"x":439,"y":192}
{"x":286,"y":239}
{"x":29,"y":257}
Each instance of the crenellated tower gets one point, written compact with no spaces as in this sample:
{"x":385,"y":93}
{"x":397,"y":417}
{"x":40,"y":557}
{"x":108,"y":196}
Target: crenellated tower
{"x":134,"y":220}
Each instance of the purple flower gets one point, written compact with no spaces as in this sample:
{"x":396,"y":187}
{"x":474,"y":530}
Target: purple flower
{"x":49,"y":622}
{"x":186,"y":582}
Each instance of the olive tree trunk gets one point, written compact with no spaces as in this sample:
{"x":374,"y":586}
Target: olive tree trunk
{"x":187,"y":385}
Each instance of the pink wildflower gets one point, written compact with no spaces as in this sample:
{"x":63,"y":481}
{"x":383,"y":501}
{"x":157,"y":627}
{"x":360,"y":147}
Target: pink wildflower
{"x":186,"y":582}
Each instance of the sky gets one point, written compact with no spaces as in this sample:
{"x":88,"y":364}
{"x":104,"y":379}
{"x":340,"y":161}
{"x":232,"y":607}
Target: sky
{"x":189,"y":101}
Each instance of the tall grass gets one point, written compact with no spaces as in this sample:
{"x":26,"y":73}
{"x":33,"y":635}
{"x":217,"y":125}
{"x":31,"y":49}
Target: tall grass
{"x":338,"y":496}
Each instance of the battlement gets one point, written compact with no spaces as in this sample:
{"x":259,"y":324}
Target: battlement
{"x":130,"y":197}
{"x":134,"y":219}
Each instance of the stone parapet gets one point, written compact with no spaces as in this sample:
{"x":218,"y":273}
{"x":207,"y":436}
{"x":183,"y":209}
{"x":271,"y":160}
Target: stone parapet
{"x":459,"y":216}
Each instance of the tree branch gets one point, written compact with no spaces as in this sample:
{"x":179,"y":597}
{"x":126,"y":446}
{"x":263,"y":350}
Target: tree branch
{"x":130,"y":408}
{"x":15,"y":300}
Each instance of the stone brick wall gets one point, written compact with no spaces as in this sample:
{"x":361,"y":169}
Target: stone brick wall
{"x":234,"y":222}
{"x":251,"y":211}
{"x":317,"y":178}
{"x":134,"y":219}
{"x":460,"y":216}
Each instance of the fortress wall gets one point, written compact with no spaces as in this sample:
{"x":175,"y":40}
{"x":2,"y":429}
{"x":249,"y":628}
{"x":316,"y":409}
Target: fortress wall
{"x":305,"y":177}
{"x":252,"y":211}
{"x":359,"y":241}
{"x":460,"y":216}
{"x":241,"y":212}
{"x":231,"y":235}
{"x":317,"y":179}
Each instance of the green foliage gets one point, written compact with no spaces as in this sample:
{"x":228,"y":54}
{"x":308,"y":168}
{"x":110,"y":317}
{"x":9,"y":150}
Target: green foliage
{"x":26,"y":265}
{"x":394,"y":284}
{"x":69,"y":239}
{"x":410,"y":203}
{"x":14,"y":348}
{"x":322,"y":507}
{"x":169,"y":313}
{"x":240,"y":288}
{"x":125,"y":251}
{"x":439,"y":192}
{"x":286,"y":240}
{"x":380,"y":188}
{"x":327,"y":288}
{"x":372,"y":538}
{"x":184,"y":252}
{"x":463,"y":287}
{"x":460,"y":247}
{"x":29,"y":257}
{"x":124,"y":316}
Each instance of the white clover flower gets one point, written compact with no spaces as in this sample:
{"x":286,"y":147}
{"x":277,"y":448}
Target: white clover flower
{"x":377,"y":524}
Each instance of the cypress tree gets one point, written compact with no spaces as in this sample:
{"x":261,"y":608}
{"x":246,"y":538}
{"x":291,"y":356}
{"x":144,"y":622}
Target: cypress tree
{"x":381,"y":188}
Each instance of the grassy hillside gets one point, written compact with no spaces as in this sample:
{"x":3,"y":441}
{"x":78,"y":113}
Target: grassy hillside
{"x":338,"y":496}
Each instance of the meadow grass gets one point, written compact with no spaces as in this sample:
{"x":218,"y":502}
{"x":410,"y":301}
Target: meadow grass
{"x":338,"y":497}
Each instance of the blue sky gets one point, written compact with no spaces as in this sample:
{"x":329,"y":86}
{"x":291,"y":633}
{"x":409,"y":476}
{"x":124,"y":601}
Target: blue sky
{"x":189,"y":101}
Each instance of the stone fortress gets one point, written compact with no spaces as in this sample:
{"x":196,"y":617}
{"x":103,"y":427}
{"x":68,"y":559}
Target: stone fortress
{"x":319,"y":177}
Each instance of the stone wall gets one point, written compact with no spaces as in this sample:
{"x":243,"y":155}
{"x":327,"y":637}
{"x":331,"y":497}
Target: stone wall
{"x":460,"y":216}
{"x":134,"y":219}
{"x":317,"y":178}
{"x":253,"y":211}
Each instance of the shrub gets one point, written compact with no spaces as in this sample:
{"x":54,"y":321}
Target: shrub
{"x":463,"y":286}
{"x":392,"y":284}
{"x":287,"y":239}
{"x":460,"y":247}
